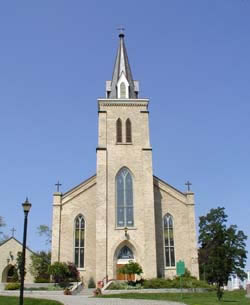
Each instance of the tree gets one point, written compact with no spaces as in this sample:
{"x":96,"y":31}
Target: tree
{"x":45,"y":231}
{"x":131,"y":268}
{"x":2,"y":236}
{"x":39,"y":267}
{"x":18,"y":266}
{"x":222,"y":249}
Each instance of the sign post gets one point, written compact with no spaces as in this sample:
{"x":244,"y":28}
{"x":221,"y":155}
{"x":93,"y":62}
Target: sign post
{"x":180,"y":271}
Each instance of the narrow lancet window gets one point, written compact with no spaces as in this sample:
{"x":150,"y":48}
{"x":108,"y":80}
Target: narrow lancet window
{"x":122,"y":90}
{"x":128,"y":131}
{"x":124,"y":199}
{"x":169,"y":241}
{"x":79,"y":241}
{"x":119,"y":131}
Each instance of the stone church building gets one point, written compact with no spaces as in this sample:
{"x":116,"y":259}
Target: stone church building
{"x":124,"y":212}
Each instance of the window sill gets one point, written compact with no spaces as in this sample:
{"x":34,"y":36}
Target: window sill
{"x":170,"y":268}
{"x":81,"y":269}
{"x":121,"y":143}
{"x":122,"y":228}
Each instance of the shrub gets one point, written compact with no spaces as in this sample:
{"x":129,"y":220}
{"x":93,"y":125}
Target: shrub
{"x":12,"y":286}
{"x":42,"y":280}
{"x":131,"y":268}
{"x":59,"y":272}
{"x":73,"y":273}
{"x":186,"y":282}
{"x":91,"y":283}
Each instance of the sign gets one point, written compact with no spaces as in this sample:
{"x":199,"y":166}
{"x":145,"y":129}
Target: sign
{"x":180,"y":268}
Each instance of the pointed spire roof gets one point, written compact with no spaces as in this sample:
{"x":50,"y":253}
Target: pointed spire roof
{"x":122,"y":66}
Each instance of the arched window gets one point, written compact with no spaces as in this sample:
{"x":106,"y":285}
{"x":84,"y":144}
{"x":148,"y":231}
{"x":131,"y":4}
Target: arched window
{"x":79,"y":241}
{"x":124,"y":199}
{"x":122,"y":90}
{"x":128,"y":131}
{"x":119,"y":131}
{"x":125,"y":253}
{"x":169,"y":241}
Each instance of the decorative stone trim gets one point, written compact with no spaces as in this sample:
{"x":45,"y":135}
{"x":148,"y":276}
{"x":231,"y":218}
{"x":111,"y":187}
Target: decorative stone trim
{"x":101,"y":148}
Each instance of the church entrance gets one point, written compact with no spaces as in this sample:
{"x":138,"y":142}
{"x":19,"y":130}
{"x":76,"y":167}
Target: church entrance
{"x":124,"y":256}
{"x":8,"y":274}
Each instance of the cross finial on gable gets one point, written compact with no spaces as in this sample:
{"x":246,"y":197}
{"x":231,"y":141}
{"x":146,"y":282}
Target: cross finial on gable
{"x":13,"y":231}
{"x":58,"y":186}
{"x":188,"y":183}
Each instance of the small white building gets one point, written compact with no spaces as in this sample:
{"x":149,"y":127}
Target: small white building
{"x":235,"y":282}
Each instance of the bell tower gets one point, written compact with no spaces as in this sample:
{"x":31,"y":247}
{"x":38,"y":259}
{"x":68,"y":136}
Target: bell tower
{"x":125,"y":198}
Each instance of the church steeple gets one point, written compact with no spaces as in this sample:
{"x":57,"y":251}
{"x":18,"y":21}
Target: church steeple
{"x":122,"y":84}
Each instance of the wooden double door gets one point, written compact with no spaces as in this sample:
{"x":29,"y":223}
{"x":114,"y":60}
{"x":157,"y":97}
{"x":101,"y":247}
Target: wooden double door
{"x":123,"y":277}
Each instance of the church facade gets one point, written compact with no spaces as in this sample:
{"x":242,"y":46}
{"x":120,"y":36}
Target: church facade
{"x":124,"y":212}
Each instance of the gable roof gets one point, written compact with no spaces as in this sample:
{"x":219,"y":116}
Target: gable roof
{"x":17,"y":241}
{"x":75,"y":191}
{"x":174,"y":192}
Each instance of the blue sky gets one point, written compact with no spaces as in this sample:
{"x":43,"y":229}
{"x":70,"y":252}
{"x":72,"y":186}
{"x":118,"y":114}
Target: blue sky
{"x":192,"y":60}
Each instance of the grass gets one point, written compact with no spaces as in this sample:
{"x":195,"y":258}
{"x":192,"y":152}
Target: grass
{"x":208,"y":298}
{"x":5,"y":300}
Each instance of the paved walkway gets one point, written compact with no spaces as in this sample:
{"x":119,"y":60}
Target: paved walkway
{"x":85,"y":300}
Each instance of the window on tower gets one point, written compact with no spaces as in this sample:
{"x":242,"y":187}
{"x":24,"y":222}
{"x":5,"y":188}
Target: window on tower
{"x":128,"y":131}
{"x":122,"y":90}
{"x":79,"y":241}
{"x":119,"y":131}
{"x":124,"y":199}
{"x":169,"y":241}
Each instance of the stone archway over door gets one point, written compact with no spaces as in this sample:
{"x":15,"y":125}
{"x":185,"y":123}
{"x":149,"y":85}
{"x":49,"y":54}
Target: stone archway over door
{"x":124,"y":256}
{"x":8,"y":274}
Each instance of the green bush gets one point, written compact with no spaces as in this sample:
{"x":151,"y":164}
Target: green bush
{"x":41,"y":280}
{"x":91,"y":283}
{"x":118,"y":286}
{"x":187,"y":282}
{"x":12,"y":286}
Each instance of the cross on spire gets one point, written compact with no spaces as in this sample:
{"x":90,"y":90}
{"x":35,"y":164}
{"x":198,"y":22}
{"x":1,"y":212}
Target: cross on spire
{"x":121,"y":30}
{"x":188,"y":183}
{"x":58,"y":184}
{"x":13,"y":231}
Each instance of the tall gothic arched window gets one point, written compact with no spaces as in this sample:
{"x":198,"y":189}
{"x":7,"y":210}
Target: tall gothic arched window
{"x":119,"y":131}
{"x":169,"y":241}
{"x":79,"y":241}
{"x":124,"y":199}
{"x":122,"y":90}
{"x":128,"y":131}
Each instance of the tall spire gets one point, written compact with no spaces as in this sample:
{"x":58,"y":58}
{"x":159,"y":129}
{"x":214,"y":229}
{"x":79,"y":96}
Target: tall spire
{"x":122,"y":73}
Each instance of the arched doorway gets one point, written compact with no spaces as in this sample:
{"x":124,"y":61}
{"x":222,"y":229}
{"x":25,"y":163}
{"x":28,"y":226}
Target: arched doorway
{"x":8,"y":274}
{"x":125,"y":254}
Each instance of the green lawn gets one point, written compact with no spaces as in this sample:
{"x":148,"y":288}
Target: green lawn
{"x":208,"y":298}
{"x":4,"y":300}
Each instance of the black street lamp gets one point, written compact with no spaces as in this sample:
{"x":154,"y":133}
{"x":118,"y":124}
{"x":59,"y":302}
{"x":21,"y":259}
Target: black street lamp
{"x":26,"y":208}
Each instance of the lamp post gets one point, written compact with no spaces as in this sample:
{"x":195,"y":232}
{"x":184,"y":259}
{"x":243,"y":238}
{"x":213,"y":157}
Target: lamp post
{"x":26,"y":208}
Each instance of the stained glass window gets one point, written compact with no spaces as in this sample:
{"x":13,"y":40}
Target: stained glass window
{"x":124,"y":198}
{"x":79,"y":241}
{"x":169,"y":241}
{"x":125,"y":253}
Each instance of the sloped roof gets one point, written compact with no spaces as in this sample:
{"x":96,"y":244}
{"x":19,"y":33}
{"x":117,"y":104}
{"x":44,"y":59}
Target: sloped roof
{"x":16,"y":240}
